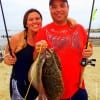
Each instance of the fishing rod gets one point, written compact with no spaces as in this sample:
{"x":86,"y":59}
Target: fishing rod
{"x":86,"y":61}
{"x":6,"y":29}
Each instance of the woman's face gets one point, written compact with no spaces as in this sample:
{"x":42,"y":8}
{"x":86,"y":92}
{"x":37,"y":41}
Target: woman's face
{"x":34,"y":22}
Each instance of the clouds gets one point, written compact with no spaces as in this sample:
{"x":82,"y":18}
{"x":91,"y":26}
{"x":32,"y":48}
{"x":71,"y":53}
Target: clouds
{"x":15,"y":9}
{"x":81,"y":11}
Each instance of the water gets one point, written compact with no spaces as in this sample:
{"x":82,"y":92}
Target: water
{"x":96,"y":35}
{"x":3,"y":40}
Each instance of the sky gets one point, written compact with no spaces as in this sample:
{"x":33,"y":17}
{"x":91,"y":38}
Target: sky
{"x":14,"y":11}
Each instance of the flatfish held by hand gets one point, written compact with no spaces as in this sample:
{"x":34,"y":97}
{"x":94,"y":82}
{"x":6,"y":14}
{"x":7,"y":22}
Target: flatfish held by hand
{"x":46,"y":75}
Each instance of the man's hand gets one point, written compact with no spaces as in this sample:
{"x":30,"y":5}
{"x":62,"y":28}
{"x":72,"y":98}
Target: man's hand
{"x":41,"y":46}
{"x":88,"y":52}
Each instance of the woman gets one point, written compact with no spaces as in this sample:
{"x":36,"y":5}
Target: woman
{"x":22,"y":46}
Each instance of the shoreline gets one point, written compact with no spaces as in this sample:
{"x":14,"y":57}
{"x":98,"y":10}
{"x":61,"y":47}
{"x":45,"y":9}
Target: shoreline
{"x":95,"y":42}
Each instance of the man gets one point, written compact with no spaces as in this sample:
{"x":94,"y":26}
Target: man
{"x":69,"y":44}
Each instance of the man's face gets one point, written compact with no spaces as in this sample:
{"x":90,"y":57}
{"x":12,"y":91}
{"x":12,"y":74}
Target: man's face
{"x":59,"y":11}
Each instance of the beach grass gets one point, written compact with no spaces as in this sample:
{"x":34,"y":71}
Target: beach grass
{"x":91,"y":76}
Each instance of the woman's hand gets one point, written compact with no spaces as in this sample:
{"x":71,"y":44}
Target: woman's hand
{"x":71,"y":21}
{"x":10,"y":60}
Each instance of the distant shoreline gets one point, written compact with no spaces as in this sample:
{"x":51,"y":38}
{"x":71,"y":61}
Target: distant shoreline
{"x":95,"y":41}
{"x":94,"y":30}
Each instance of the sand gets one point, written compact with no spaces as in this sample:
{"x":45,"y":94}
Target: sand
{"x":5,"y":72}
{"x":91,"y":75}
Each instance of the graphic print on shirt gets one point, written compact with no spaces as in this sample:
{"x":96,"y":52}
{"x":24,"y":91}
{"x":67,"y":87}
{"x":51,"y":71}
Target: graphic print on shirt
{"x":63,"y":39}
{"x":16,"y":95}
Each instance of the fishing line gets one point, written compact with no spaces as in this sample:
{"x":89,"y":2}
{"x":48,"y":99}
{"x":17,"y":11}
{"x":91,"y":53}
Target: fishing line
{"x":38,"y":56}
{"x":85,"y":61}
{"x":5,"y":28}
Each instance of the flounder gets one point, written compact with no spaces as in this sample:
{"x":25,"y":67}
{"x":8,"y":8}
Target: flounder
{"x":45,"y":76}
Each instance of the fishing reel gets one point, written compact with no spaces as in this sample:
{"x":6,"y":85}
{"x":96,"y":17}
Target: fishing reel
{"x":86,"y":62}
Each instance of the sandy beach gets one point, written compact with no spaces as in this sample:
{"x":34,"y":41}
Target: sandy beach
{"x":92,"y":78}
